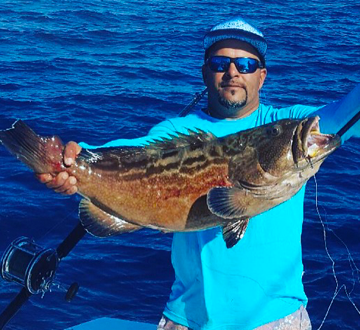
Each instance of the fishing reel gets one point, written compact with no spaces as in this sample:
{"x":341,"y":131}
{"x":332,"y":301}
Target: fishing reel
{"x":34,"y":268}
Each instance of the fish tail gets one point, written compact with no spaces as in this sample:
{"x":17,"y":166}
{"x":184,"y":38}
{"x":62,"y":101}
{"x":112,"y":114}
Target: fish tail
{"x":41,"y":154}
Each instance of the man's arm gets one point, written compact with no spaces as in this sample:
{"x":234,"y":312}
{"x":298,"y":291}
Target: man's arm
{"x":333,"y":116}
{"x":336,"y":115}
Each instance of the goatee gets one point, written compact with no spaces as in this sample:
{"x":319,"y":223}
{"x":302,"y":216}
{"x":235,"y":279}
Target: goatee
{"x":233,"y":105}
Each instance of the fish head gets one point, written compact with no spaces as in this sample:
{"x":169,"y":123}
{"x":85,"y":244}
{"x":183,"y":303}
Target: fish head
{"x":310,"y":147}
{"x":292,"y":145}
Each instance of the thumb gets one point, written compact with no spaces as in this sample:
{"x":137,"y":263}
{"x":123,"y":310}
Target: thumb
{"x":72,"y":149}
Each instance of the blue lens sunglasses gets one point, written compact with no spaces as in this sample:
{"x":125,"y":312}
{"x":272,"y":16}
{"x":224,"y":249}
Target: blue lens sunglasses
{"x":243,"y":64}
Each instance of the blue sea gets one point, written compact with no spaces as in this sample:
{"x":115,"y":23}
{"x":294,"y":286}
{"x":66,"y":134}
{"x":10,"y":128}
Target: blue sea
{"x":98,"y":70}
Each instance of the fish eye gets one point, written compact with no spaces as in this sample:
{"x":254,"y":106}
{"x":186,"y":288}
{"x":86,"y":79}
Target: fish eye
{"x":274,"y":131}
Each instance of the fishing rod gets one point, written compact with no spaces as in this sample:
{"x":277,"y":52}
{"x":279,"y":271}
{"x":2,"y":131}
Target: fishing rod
{"x":191,"y":105}
{"x":350,"y":124}
{"x":34,"y":267}
{"x":199,"y":96}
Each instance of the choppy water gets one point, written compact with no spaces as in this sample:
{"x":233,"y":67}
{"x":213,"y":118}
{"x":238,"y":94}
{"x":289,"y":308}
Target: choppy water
{"x":96,"y":70}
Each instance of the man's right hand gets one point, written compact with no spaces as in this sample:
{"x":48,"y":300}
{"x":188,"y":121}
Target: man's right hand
{"x":62,"y":182}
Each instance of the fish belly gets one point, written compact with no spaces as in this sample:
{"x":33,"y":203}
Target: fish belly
{"x":162,"y":201}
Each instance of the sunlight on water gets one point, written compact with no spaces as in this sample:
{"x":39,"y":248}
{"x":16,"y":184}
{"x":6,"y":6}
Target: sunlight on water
{"x":96,"y":71}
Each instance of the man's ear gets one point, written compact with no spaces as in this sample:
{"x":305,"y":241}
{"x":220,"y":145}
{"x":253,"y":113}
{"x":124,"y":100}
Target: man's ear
{"x":205,"y":74}
{"x":263,"y":74}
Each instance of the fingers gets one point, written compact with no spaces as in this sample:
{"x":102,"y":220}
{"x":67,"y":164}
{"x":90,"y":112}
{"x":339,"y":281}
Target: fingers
{"x":72,"y":149}
{"x":61,"y":183}
{"x":71,"y":191}
{"x":68,"y":188}
{"x":58,"y":181}
{"x":44,"y":178}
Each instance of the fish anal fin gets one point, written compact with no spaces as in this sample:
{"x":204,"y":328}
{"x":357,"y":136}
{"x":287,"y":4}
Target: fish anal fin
{"x":100,"y":223}
{"x":227,"y":202}
{"x":233,"y":232}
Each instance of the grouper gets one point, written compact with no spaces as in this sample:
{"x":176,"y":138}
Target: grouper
{"x":184,"y":182}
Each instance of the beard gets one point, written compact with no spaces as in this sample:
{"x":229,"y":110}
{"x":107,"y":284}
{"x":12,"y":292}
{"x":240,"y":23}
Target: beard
{"x":233,"y":105}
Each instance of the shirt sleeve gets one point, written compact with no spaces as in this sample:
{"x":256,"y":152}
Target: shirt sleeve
{"x":159,"y":131}
{"x":336,"y":115}
{"x":333,"y":116}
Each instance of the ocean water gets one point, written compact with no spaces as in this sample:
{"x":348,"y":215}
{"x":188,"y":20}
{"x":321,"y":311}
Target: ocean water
{"x":98,"y":70}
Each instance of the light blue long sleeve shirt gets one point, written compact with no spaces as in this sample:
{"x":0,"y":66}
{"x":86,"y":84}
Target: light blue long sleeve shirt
{"x":259,"y":280}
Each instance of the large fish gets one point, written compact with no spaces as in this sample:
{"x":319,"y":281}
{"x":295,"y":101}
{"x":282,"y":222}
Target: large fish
{"x":184,"y":182}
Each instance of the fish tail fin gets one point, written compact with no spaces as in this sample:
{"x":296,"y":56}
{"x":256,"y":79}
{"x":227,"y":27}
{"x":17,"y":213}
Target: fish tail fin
{"x":41,"y":154}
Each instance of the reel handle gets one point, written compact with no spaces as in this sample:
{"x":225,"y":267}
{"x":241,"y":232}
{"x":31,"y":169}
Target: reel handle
{"x":38,"y":270}
{"x":72,"y":291}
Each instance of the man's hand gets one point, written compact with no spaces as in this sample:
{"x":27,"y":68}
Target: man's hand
{"x":62,"y":182}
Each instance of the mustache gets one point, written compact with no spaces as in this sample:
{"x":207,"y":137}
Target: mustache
{"x":232,"y":83}
{"x":233,"y":105}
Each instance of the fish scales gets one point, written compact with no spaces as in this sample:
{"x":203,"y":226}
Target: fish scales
{"x":184,"y":182}
{"x":155,"y":194}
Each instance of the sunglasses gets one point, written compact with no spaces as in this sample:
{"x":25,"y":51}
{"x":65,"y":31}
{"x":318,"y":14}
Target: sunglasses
{"x":243,"y":64}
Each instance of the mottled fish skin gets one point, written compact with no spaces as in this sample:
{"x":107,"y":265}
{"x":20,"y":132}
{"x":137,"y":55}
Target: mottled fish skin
{"x":186,"y":182}
{"x":273,"y":166}
{"x":157,"y":186}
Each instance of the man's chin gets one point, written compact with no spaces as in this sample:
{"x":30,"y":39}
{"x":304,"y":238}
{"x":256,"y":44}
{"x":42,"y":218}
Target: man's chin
{"x":231,"y":103}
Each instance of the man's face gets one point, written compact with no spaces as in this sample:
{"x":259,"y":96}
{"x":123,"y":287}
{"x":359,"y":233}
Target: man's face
{"x":232,"y":94}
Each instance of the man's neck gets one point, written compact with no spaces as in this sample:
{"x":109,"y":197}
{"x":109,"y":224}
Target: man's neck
{"x":225,"y":113}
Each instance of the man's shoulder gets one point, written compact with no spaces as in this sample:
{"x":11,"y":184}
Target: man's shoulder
{"x":271,"y":113}
{"x":192,"y":121}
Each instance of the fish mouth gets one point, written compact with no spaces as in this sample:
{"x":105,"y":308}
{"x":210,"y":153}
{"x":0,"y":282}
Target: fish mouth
{"x":312,"y":145}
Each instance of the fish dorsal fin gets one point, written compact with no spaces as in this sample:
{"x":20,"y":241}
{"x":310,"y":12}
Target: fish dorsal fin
{"x":233,"y":232}
{"x":180,"y":140}
{"x":121,"y":157}
{"x":225,"y":202}
{"x":100,"y":223}
{"x":110,"y":154}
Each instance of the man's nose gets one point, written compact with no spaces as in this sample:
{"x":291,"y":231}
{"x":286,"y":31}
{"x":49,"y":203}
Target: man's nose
{"x":232,"y":71}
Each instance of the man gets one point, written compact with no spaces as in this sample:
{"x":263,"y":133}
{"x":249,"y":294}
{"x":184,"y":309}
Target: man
{"x":257,"y":284}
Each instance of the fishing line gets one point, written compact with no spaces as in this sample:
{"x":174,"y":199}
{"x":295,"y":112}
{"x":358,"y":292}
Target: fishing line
{"x":336,"y":292}
{"x":60,"y":222}
{"x":351,"y":261}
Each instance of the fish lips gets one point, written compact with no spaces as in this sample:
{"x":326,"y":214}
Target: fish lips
{"x":311,"y":145}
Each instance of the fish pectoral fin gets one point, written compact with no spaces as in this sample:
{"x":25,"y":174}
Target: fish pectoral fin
{"x":233,"y":232}
{"x":100,"y":223}
{"x":270,"y":191}
{"x":225,"y":202}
